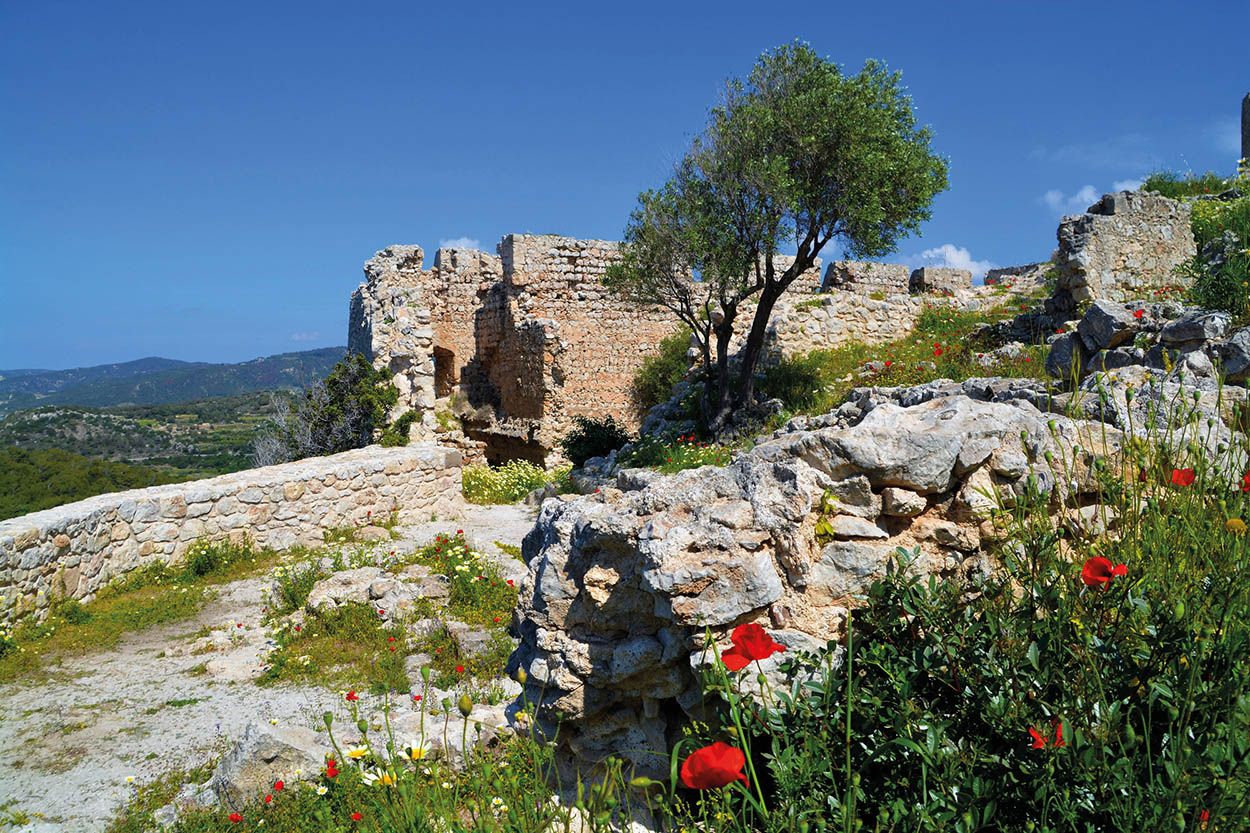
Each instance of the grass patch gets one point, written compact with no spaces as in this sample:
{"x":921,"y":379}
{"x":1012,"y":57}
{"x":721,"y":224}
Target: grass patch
{"x":509,"y":549}
{"x":352,"y":646}
{"x":1176,"y":186}
{"x":942,"y":346}
{"x":348,"y":647}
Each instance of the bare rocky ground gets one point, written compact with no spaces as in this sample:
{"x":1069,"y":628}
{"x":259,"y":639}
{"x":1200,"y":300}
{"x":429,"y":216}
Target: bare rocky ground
{"x":148,"y":707}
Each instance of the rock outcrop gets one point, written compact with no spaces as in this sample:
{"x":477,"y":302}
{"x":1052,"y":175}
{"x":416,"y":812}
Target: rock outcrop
{"x":624,"y":584}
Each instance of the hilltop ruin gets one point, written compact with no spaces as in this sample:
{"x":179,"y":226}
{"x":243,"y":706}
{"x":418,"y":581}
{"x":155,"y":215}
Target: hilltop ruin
{"x":498,"y":352}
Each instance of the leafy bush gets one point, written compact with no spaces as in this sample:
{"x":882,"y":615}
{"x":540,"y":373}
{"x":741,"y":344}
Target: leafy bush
{"x":294,"y":582}
{"x":507,"y":483}
{"x":1221,"y":280}
{"x":345,"y":411}
{"x":593,"y":438}
{"x":396,"y":434}
{"x":654,"y":380}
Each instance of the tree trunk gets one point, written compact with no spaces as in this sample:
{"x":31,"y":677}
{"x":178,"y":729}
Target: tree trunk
{"x":754,"y":347}
{"x":717,"y":414}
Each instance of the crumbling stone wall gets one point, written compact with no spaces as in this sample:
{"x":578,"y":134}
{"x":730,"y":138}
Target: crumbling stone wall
{"x":868,"y":277}
{"x":72,"y":551}
{"x":1123,"y":247}
{"x":524,"y":340}
{"x":939,"y":279}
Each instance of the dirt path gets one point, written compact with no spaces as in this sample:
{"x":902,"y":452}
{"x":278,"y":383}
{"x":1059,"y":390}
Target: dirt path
{"x":146,"y":707}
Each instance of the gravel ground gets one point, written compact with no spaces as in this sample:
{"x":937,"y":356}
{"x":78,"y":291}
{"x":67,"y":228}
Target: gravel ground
{"x":136,"y":712}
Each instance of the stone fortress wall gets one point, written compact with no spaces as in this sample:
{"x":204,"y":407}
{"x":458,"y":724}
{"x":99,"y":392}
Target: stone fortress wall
{"x":526,"y":339}
{"x":72,"y":551}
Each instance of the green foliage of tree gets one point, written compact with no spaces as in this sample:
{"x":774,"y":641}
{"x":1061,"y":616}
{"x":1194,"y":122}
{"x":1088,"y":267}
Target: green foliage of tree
{"x":654,"y":380}
{"x":349,"y":409}
{"x":35,"y":480}
{"x":797,"y":155}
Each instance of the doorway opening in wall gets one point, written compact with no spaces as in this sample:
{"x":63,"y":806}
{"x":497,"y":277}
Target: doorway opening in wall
{"x":444,"y":372}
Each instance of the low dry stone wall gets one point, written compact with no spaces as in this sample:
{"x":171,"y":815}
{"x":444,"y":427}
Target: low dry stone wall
{"x":72,"y":551}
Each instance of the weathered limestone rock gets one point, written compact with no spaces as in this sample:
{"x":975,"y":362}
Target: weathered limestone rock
{"x":1106,"y":325}
{"x":622,"y":585}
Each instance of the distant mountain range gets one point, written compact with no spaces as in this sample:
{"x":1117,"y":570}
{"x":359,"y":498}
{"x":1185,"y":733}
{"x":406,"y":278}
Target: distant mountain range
{"x":156,"y":381}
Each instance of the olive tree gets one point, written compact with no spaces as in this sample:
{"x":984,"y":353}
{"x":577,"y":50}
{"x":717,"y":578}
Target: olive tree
{"x":796,"y":155}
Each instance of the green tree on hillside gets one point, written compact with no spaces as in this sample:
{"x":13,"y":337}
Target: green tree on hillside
{"x":349,"y":409}
{"x":797,"y":154}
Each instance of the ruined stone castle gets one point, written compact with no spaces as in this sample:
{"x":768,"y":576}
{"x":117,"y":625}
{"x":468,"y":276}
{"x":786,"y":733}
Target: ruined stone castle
{"x":499,"y":352}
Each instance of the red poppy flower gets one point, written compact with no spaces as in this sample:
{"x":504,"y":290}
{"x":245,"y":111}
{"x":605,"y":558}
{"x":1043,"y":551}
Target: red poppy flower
{"x":938,"y":351}
{"x":357,"y":817}
{"x":497,"y":620}
{"x":269,"y":798}
{"x":888,"y":363}
{"x":381,"y":612}
{"x":459,"y":669}
{"x":416,"y":698}
{"x":713,"y":766}
{"x":1040,"y":741}
{"x":1139,"y":314}
{"x":1245,"y":482}
{"x":297,"y":628}
{"x":1099,"y":571}
{"x":751,"y":642}
{"x":1182,"y":477}
{"x":235,"y":817}
{"x":351,"y":695}
{"x":510,"y":582}
{"x":278,"y":785}
{"x":390,"y":639}
{"x":331,"y":772}
{"x":1203,"y":816}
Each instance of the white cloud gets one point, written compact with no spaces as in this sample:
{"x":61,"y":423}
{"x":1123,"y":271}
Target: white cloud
{"x":951,"y":256}
{"x":1127,"y":184}
{"x":313,"y":336}
{"x":460,"y":243}
{"x":1074,"y":204}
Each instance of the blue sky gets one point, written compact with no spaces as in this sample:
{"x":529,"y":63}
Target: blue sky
{"x":204,"y":181}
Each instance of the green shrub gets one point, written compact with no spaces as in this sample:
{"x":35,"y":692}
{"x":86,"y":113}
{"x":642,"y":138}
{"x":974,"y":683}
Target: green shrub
{"x":507,"y":483}
{"x":345,"y":411}
{"x":1223,"y":286}
{"x":654,"y":380}
{"x":593,"y":438}
{"x":294,"y":582}
{"x":396,"y":434}
{"x":1175,"y":186}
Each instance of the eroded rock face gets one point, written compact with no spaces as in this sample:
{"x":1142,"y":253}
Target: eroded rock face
{"x":623,"y":585}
